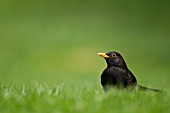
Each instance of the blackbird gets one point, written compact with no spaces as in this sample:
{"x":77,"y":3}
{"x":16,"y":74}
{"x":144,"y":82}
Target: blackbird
{"x":118,"y":75}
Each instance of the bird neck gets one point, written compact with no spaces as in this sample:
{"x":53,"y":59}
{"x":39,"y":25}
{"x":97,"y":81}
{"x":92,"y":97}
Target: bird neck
{"x":121,"y":65}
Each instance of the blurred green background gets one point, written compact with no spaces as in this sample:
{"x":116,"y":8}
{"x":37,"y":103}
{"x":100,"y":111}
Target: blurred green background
{"x":57,"y":41}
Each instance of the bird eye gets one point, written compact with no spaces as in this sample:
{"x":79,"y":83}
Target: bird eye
{"x":113,"y":55}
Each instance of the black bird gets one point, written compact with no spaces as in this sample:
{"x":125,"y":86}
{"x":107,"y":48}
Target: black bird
{"x":118,"y":75}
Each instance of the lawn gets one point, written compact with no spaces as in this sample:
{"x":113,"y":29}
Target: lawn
{"x":49,"y":62}
{"x":40,"y":98}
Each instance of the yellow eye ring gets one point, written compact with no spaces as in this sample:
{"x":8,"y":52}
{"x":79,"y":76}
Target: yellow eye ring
{"x":113,"y":55}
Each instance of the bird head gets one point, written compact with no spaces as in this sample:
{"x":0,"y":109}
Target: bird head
{"x":114,"y":59}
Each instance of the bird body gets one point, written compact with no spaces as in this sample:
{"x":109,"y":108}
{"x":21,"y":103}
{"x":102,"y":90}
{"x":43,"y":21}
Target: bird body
{"x":117,"y":73}
{"x":117,"y":77}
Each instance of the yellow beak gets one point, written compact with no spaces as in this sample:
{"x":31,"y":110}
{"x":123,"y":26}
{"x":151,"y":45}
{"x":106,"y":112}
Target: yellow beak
{"x":103,"y":55}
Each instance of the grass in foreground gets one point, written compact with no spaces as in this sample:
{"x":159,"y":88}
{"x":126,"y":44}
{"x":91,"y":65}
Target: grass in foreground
{"x":40,"y":98}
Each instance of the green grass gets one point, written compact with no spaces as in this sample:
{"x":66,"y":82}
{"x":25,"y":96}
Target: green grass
{"x":41,"y":98}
